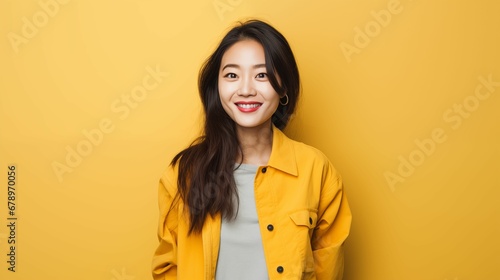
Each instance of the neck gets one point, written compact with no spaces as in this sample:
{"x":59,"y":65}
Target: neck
{"x":256,"y":144}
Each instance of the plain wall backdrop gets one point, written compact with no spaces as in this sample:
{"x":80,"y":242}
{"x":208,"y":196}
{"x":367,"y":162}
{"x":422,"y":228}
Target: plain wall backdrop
{"x":96,"y":97}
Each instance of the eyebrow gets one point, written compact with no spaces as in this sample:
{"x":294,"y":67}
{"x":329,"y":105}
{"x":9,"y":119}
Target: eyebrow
{"x":237,"y":66}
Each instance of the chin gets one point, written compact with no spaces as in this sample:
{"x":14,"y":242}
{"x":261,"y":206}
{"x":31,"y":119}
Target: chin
{"x":250,"y":124}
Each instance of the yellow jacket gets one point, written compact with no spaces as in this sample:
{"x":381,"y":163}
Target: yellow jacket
{"x":303,"y":214}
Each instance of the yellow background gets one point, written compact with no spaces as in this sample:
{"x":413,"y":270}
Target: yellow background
{"x":366,"y":109}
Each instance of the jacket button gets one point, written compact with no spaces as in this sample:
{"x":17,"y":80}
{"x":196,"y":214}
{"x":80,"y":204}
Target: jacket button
{"x":270,"y":227}
{"x":264,"y":170}
{"x":310,"y":221}
{"x":280,"y":269}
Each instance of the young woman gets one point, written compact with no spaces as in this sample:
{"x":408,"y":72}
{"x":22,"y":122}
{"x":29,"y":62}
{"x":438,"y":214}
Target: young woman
{"x":244,"y":201}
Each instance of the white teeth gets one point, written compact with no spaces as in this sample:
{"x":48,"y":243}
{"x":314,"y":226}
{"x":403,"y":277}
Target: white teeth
{"x":248,"y":106}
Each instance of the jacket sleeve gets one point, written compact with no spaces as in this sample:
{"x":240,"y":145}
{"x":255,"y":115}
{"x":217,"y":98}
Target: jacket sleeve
{"x":165,"y":257}
{"x":332,"y":228}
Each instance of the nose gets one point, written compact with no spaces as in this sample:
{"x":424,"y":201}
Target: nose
{"x":246,"y":87}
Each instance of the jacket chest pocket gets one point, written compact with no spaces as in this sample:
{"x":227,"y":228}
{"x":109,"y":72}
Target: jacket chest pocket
{"x":304,"y":222}
{"x":305,"y":218}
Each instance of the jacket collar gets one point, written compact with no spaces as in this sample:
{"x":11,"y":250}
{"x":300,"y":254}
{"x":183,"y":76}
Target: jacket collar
{"x":283,"y":153}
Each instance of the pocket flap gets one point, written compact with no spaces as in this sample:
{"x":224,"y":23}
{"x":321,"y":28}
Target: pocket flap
{"x":304,"y":218}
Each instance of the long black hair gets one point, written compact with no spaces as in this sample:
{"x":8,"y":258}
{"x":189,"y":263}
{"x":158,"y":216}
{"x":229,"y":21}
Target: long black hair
{"x":205,"y":178}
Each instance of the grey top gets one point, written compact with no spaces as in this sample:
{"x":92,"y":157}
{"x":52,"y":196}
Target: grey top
{"x":241,"y":255}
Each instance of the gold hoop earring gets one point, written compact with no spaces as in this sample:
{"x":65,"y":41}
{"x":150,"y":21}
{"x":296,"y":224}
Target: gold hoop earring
{"x":284,"y":104}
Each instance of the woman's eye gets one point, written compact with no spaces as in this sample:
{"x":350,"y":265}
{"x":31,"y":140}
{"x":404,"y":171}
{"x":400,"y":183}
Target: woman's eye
{"x":261,"y":75}
{"x":230,"y":76}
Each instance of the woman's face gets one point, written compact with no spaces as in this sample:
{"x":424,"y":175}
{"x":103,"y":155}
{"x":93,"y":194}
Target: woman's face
{"x":244,"y":88}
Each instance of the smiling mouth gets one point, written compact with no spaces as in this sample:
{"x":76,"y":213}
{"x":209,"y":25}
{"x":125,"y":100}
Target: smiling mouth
{"x":248,"y":106}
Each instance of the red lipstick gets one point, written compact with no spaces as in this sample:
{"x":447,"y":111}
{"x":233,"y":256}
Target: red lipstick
{"x":248,"y":106}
